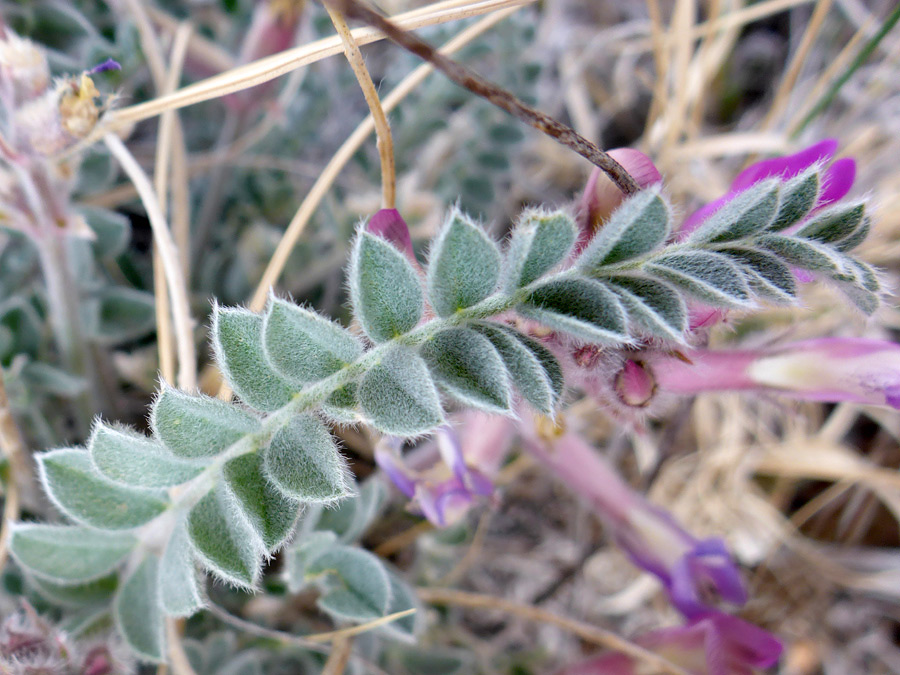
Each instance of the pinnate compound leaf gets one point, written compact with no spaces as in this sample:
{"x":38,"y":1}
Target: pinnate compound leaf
{"x":637,"y":227}
{"x":304,"y":462}
{"x":363,"y":591}
{"x":223,"y":543}
{"x":303,"y":346}
{"x":89,"y":499}
{"x":138,"y":615}
{"x":269,"y":513}
{"x":468,"y":366}
{"x":463,"y":266}
{"x":652,"y":306}
{"x":385,"y":289}
{"x":768,"y":277}
{"x":834,"y":224}
{"x":710,"y":277}
{"x":95,"y":592}
{"x":805,"y":254}
{"x":301,"y":553}
{"x":66,"y":554}
{"x":798,"y":197}
{"x":539,"y":242}
{"x":751,"y":211}
{"x":583,"y":308}
{"x":180,"y":591}
{"x":198,"y":427}
{"x":525,"y":370}
{"x":125,"y":456}
{"x":398,"y":395}
{"x":237,"y":342}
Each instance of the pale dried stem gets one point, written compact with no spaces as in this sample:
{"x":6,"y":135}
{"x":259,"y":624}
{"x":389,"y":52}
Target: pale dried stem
{"x":339,"y":657}
{"x":168,"y":143}
{"x":298,"y":223}
{"x":263,"y":70}
{"x":587,"y":632}
{"x":382,"y":126}
{"x":200,"y":48}
{"x":184,"y":338}
{"x":20,"y":476}
{"x":786,"y":87}
{"x":178,"y":659}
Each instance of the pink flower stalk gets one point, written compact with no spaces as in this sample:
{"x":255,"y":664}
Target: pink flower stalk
{"x":601,"y":196}
{"x":826,"y":369}
{"x":838,"y":179}
{"x":444,"y":491}
{"x":714,"y":644}
{"x":688,"y":567}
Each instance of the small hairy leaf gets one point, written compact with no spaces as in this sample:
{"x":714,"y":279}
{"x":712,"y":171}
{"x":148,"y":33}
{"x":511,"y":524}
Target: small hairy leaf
{"x":180,"y":591}
{"x":302,"y":553}
{"x":749,"y":212}
{"x":866,"y":301}
{"x":303,"y":346}
{"x":341,"y":405}
{"x":138,"y":615}
{"x":402,"y":598}
{"x":352,"y":517}
{"x":798,"y":197}
{"x":865,"y":274}
{"x":652,"y":306}
{"x":539,"y":242}
{"x":124,"y":456}
{"x":364,"y":589}
{"x":463,"y":266}
{"x":768,"y":276}
{"x":581,"y":307}
{"x":121,"y":314}
{"x":856,"y":237}
{"x":525,"y":370}
{"x":224,"y":543}
{"x":75,"y":488}
{"x":52,"y":380}
{"x":113,"y":230}
{"x":548,"y":362}
{"x":834,"y":224}
{"x":196,"y":427}
{"x":237,"y":341}
{"x":269,"y":513}
{"x":95,"y":592}
{"x":466,"y":364}
{"x":710,"y":277}
{"x":304,"y":462}
{"x":808,"y":255}
{"x":398,"y":395}
{"x":67,"y":554}
{"x":637,"y":227}
{"x":385,"y":290}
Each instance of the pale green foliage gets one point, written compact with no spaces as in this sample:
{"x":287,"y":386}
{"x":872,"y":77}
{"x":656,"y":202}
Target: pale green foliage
{"x":69,"y":555}
{"x":540,"y":241}
{"x":138,"y":614}
{"x":384,"y":289}
{"x":398,"y":397}
{"x":304,"y":463}
{"x":463,"y":265}
{"x":198,"y":426}
{"x":242,"y":472}
{"x":467,"y":366}
{"x":87,"y":498}
{"x":127,"y":457}
{"x":304,"y":347}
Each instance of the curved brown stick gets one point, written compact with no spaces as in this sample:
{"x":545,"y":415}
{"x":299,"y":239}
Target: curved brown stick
{"x":499,"y":97}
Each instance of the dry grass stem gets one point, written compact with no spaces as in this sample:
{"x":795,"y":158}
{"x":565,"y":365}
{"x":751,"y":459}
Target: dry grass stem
{"x":382,"y":126}
{"x":13,"y":447}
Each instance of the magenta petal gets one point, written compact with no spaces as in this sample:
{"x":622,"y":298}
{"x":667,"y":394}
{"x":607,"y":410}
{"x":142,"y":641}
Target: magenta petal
{"x":389,"y":224}
{"x":785,"y":167}
{"x":748,"y":644}
{"x":838,"y":180}
{"x":388,"y":462}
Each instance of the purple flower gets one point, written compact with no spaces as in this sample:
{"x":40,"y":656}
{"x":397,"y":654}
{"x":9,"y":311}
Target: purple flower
{"x":714,"y":644}
{"x":688,"y":567}
{"x":443,"y":491}
{"x":837,"y":178}
{"x":389,"y":224}
{"x":827,"y":369}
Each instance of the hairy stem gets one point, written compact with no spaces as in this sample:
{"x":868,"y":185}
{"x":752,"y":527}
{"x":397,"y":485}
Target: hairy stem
{"x":495,"y":95}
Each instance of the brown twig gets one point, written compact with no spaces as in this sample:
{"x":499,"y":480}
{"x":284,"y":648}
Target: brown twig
{"x":499,"y":97}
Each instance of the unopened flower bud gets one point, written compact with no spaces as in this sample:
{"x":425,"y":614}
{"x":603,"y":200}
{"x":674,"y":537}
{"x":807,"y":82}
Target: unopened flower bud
{"x":59,"y":118}
{"x":24,"y":70}
{"x":634,"y":384}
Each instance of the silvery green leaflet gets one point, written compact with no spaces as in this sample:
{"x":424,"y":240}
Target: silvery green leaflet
{"x":219,"y":487}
